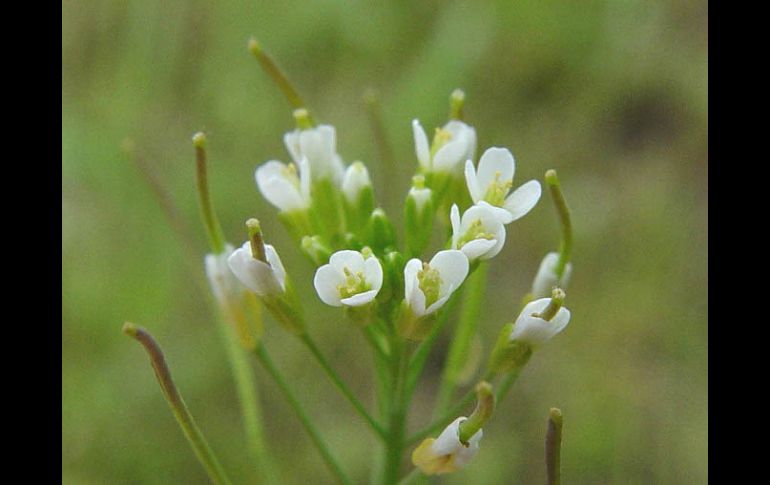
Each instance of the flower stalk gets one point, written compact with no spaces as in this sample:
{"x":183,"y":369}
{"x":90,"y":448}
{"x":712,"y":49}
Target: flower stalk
{"x":178,"y":407}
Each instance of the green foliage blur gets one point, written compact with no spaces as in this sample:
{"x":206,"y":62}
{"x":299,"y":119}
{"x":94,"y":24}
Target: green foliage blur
{"x":612,"y":94}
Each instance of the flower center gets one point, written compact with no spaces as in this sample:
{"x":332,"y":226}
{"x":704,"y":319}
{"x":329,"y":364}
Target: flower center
{"x":430,"y":283}
{"x":354,"y":284}
{"x":441,"y":138}
{"x":497,"y":190}
{"x":475,"y":231}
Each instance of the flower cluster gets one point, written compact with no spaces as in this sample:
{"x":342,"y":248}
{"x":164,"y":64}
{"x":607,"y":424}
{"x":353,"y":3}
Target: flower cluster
{"x":397,"y":293}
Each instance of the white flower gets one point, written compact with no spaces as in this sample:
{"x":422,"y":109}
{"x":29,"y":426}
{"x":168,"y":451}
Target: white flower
{"x":489,"y":185}
{"x":535,"y":330}
{"x":348,"y":279}
{"x":546,"y":277}
{"x":427,"y":286}
{"x":282,"y":187}
{"x":356,"y":179}
{"x":453,"y":143}
{"x":263,"y":278}
{"x":222,"y":281}
{"x":479,"y":234}
{"x":446,"y":454}
{"x":319,"y":145}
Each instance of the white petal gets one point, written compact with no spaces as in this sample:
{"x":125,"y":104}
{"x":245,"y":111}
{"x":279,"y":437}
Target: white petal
{"x":304,"y":179}
{"x":472,"y":182}
{"x":421,"y":145}
{"x":291,"y":140}
{"x":499,"y":243}
{"x":319,"y":146}
{"x":495,"y":160}
{"x":276,"y":264}
{"x":360,"y":298}
{"x":282,"y":194}
{"x":449,"y":156}
{"x":326,"y":280}
{"x":466,"y":134}
{"x":501,"y":214}
{"x":353,"y":260}
{"x":537,"y":331}
{"x":452,"y":265}
{"x":256,"y":275}
{"x":478,"y":248}
{"x":412,"y":292}
{"x":523,"y":199}
{"x":546,"y":279}
{"x":373,"y":273}
{"x":454,"y":218}
{"x":448,"y":442}
{"x":465,"y":454}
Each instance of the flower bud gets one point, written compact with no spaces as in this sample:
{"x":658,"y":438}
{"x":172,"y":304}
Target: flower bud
{"x":418,"y":216}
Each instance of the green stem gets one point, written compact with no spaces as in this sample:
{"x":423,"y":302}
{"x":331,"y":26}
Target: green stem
{"x":395,"y":441}
{"x":191,"y":431}
{"x":245,"y":385}
{"x":341,"y":386}
{"x":553,"y":447}
{"x":307,"y":423}
{"x":562,"y":210}
{"x":210,"y":221}
{"x":420,"y":357}
{"x":466,"y":329}
{"x":276,"y":74}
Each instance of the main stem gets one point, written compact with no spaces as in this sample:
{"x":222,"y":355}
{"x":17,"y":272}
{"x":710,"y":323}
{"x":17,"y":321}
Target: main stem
{"x":307,"y":423}
{"x":396,"y":412}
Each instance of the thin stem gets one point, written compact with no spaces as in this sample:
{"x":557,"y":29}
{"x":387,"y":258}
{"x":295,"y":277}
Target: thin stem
{"x":245,"y":384}
{"x":466,"y":329}
{"x":553,"y":447}
{"x":276,"y":74}
{"x":307,"y":423}
{"x":420,"y":356}
{"x":210,"y":221}
{"x":191,"y":431}
{"x":341,"y":386}
{"x":373,"y":339}
{"x":562,"y":210}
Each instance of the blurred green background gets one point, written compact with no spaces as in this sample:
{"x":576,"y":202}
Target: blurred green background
{"x":613,"y":94}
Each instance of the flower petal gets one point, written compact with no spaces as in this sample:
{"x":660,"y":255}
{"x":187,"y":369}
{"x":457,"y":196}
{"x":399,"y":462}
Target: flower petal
{"x":478,"y":248}
{"x":495,"y":160}
{"x":373,"y":273}
{"x":501,"y":214}
{"x":452,"y":265}
{"x":448,"y":442}
{"x":454,"y":219}
{"x":472,"y":182}
{"x":412,"y":292}
{"x":291,"y":140}
{"x":353,"y":260}
{"x":360,"y":298}
{"x":421,"y":145}
{"x":326,"y":280}
{"x":448,"y":157}
{"x":523,"y":199}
